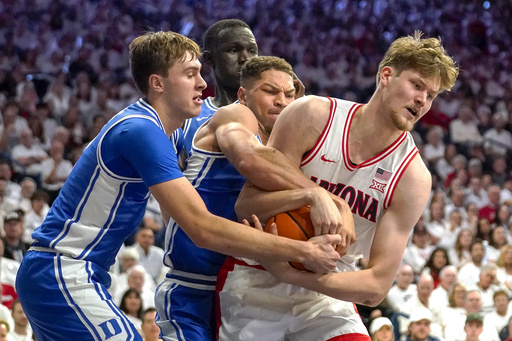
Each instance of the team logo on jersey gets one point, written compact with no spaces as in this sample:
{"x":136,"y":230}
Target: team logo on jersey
{"x":380,"y":179}
{"x":377,"y":185}
{"x":323,"y":158}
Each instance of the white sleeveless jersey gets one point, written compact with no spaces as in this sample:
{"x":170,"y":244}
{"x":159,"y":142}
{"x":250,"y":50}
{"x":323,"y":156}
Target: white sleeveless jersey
{"x":367,"y":187}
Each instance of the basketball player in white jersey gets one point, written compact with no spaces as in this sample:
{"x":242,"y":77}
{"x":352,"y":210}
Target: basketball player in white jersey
{"x":365,"y":155}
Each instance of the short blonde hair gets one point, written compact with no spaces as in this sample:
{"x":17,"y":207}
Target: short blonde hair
{"x":156,"y":52}
{"x":427,"y":56}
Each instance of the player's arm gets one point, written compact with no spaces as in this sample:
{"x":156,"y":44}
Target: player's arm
{"x":235,"y":128}
{"x":296,"y":131}
{"x":387,"y":249}
{"x":218,"y":234}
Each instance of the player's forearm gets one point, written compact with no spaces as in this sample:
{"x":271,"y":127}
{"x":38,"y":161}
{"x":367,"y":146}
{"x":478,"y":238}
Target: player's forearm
{"x":253,"y":200}
{"x":271,"y":170}
{"x":361,"y":287}
{"x":230,"y":238}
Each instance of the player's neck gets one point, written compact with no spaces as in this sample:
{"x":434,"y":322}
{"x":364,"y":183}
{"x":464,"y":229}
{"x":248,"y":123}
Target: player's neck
{"x":170,"y":120}
{"x":224,"y":96}
{"x":368,"y":137}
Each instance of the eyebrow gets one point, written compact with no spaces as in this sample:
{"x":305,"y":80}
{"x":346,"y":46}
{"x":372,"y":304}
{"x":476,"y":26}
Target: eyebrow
{"x":433,"y":93}
{"x":277,"y":88}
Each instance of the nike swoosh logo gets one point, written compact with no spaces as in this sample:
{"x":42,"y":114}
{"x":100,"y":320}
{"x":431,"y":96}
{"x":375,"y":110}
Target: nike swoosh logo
{"x":326,"y":160}
{"x":201,"y":118}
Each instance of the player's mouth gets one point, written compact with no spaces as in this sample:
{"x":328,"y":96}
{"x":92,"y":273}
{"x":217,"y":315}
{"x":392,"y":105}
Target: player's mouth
{"x":413,"y":112}
{"x":198,"y":99}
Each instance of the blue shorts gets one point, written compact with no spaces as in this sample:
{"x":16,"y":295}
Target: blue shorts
{"x":67,"y":299}
{"x":185,"y":307}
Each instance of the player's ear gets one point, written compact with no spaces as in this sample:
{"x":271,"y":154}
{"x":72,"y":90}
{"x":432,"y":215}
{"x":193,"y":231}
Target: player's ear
{"x":208,"y":59}
{"x":385,"y":74}
{"x":242,"y":95}
{"x":155,"y":82}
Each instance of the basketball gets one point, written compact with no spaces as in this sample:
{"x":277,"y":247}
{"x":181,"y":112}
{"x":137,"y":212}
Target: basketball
{"x":294,"y":224}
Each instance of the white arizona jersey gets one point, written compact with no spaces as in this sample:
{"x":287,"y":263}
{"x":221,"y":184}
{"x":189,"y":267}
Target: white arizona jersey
{"x":371,"y":183}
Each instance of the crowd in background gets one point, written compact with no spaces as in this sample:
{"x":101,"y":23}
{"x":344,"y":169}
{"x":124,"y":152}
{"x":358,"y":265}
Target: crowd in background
{"x":64,"y":72}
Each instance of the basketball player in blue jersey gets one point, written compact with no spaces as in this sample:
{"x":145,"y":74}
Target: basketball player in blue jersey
{"x":365,"y":155}
{"x":228,"y":44}
{"x":222,"y":153}
{"x":62,"y":281}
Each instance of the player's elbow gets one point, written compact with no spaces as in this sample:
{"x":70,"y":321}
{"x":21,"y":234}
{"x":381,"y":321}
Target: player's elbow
{"x":375,"y":298}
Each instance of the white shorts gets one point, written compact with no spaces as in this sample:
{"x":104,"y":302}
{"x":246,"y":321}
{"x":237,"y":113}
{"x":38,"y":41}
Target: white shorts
{"x":255,"y":306}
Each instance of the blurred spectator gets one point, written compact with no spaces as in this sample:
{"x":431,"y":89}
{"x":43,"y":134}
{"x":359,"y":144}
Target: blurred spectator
{"x":438,"y":260}
{"x":131,"y":306}
{"x":459,"y":162}
{"x":56,"y":170}
{"x":15,"y":248}
{"x":4,"y":328}
{"x":436,"y":225}
{"x":29,"y":154}
{"x":498,"y":318}
{"x":497,"y":241}
{"x":497,"y":140}
{"x":487,"y":287}
{"x":381,"y":329}
{"x":419,"y":328}
{"x":464,"y":130}
{"x":8,"y":270}
{"x":443,"y":166}
{"x":460,"y":253}
{"x":434,"y":150}
{"x":418,"y":251}
{"x":475,"y":194}
{"x":21,"y":330}
{"x":49,"y":124}
{"x":504,"y":263}
{"x":403,"y":289}
{"x":473,"y":327}
{"x":456,"y":202}
{"x":470,"y":272}
{"x":455,"y":313}
{"x":506,"y":192}
{"x":150,"y":329}
{"x":489,"y":210}
{"x":58,"y":96}
{"x":35,"y":216}
{"x":499,"y":171}
{"x":12,"y":125}
{"x":439,"y":297}
{"x":150,"y":256}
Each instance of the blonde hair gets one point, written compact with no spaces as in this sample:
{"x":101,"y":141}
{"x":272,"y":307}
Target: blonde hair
{"x":427,"y":56}
{"x":501,"y":258}
{"x":156,"y":52}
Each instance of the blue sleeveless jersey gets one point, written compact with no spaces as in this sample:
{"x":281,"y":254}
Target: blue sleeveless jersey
{"x":218,"y":183}
{"x":192,"y":124}
{"x":105,"y":196}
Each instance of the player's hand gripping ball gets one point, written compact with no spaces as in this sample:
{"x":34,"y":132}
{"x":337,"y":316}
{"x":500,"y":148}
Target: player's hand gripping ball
{"x":294,"y":224}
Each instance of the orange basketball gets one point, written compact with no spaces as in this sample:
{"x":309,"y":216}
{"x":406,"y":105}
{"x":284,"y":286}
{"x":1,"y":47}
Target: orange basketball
{"x":294,"y":224}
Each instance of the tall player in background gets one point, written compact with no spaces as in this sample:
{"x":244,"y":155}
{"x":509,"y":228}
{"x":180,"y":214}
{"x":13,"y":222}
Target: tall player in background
{"x":228,"y":44}
{"x":228,"y":148}
{"x":63,"y":279}
{"x":365,"y":155}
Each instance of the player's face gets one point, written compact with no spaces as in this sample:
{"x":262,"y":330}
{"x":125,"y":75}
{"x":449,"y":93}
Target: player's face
{"x":235,"y":46}
{"x":268,"y":96}
{"x":409,"y":97}
{"x":184,"y":87}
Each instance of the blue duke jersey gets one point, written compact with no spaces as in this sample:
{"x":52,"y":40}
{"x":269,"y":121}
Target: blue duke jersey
{"x":105,"y":196}
{"x":185,"y":300}
{"x":192,"y":124}
{"x":367,"y":187}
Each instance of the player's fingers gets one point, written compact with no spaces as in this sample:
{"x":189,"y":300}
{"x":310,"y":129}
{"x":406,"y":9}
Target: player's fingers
{"x":246,"y":222}
{"x":273,"y":228}
{"x":257,"y":223}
